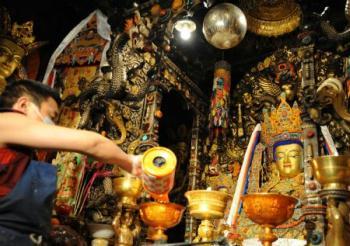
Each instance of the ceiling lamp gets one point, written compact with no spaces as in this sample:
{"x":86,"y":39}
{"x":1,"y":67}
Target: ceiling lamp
{"x":224,"y":26}
{"x":185,"y":27}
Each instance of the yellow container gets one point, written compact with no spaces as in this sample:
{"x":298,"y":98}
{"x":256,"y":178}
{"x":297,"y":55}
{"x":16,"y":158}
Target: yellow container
{"x":158,"y":165}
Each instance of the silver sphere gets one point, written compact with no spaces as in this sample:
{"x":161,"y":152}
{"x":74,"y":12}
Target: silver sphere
{"x":224,"y":26}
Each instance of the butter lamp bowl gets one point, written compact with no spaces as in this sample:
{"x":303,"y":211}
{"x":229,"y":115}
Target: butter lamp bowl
{"x":161,"y":215}
{"x":269,"y":209}
{"x":128,"y":188}
{"x":207,"y":204}
{"x":332,"y":172}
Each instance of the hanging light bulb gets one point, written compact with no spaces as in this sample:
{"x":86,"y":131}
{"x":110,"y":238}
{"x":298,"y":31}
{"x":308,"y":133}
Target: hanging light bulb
{"x":185,"y":27}
{"x":185,"y":35}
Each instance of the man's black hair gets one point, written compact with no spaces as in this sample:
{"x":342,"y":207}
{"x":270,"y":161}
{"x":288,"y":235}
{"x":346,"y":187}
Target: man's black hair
{"x":38,"y":92}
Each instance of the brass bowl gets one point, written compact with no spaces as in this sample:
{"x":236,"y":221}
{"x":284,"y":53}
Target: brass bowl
{"x":161,"y":215}
{"x":269,"y":209}
{"x":206,"y":204}
{"x":128,"y":188}
{"x":332,"y":172}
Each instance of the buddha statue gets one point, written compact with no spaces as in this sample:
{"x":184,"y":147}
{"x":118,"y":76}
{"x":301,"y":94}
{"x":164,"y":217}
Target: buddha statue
{"x":10,"y":58}
{"x":282,"y":169}
{"x":16,"y":41}
{"x":281,"y":133}
{"x":287,"y":176}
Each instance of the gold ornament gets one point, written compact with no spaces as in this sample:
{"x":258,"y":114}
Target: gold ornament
{"x":284,"y":123}
{"x":273,"y":18}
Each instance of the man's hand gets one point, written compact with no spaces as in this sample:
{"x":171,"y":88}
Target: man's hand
{"x":136,"y":165}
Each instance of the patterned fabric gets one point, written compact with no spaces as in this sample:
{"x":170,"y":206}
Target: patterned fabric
{"x":219,"y":103}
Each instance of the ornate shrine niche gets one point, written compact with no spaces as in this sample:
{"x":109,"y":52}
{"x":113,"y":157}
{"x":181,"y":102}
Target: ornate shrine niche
{"x":139,"y":99}
{"x":282,"y":72}
{"x":313,"y":82}
{"x":110,"y":102}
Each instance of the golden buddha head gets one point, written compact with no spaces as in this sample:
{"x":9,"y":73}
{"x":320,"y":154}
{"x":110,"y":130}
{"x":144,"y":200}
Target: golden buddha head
{"x":281,"y":132}
{"x":11,"y":55}
{"x":288,"y":158}
{"x":16,"y":41}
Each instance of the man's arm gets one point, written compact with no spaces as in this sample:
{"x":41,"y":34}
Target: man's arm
{"x":20,"y":130}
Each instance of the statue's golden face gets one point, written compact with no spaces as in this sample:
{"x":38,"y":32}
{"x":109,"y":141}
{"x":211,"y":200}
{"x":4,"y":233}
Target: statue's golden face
{"x":288,"y":160}
{"x":8,"y":61}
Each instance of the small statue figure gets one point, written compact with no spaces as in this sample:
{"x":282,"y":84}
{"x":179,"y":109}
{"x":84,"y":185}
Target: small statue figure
{"x":122,"y":226}
{"x":205,"y":232}
{"x":214,"y":160}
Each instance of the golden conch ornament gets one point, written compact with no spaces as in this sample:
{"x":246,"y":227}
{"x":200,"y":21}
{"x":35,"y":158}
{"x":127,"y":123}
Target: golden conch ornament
{"x":272,"y":18}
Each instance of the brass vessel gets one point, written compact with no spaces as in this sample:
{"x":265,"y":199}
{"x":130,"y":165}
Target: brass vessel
{"x":129,"y":189}
{"x":332,"y":172}
{"x":206,"y":205}
{"x":160,"y":216}
{"x":268,"y":210}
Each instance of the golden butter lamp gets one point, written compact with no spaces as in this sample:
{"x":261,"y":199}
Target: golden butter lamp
{"x":206,"y":205}
{"x":333,"y":173}
{"x":129,"y":189}
{"x":268,"y":210}
{"x":159,"y":217}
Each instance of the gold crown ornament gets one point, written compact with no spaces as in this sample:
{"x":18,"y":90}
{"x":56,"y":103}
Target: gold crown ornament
{"x":17,"y":38}
{"x":283,"y":123}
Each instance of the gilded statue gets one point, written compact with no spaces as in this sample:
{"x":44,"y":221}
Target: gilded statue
{"x":125,"y":230}
{"x":16,"y":41}
{"x":10,"y":58}
{"x":338,"y":223}
{"x":281,"y":132}
{"x":282,"y":170}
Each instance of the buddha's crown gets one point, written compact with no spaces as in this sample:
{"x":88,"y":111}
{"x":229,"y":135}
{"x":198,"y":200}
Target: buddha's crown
{"x":18,"y":38}
{"x":283,"y":123}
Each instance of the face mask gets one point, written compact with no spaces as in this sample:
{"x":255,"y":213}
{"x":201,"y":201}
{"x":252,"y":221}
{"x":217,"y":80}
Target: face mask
{"x":47,"y":120}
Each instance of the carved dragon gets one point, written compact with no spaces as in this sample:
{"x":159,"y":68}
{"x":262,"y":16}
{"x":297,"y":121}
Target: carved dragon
{"x":117,"y":120}
{"x":331,"y":32}
{"x":116,"y":87}
{"x":136,"y":77}
{"x":331,"y":92}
